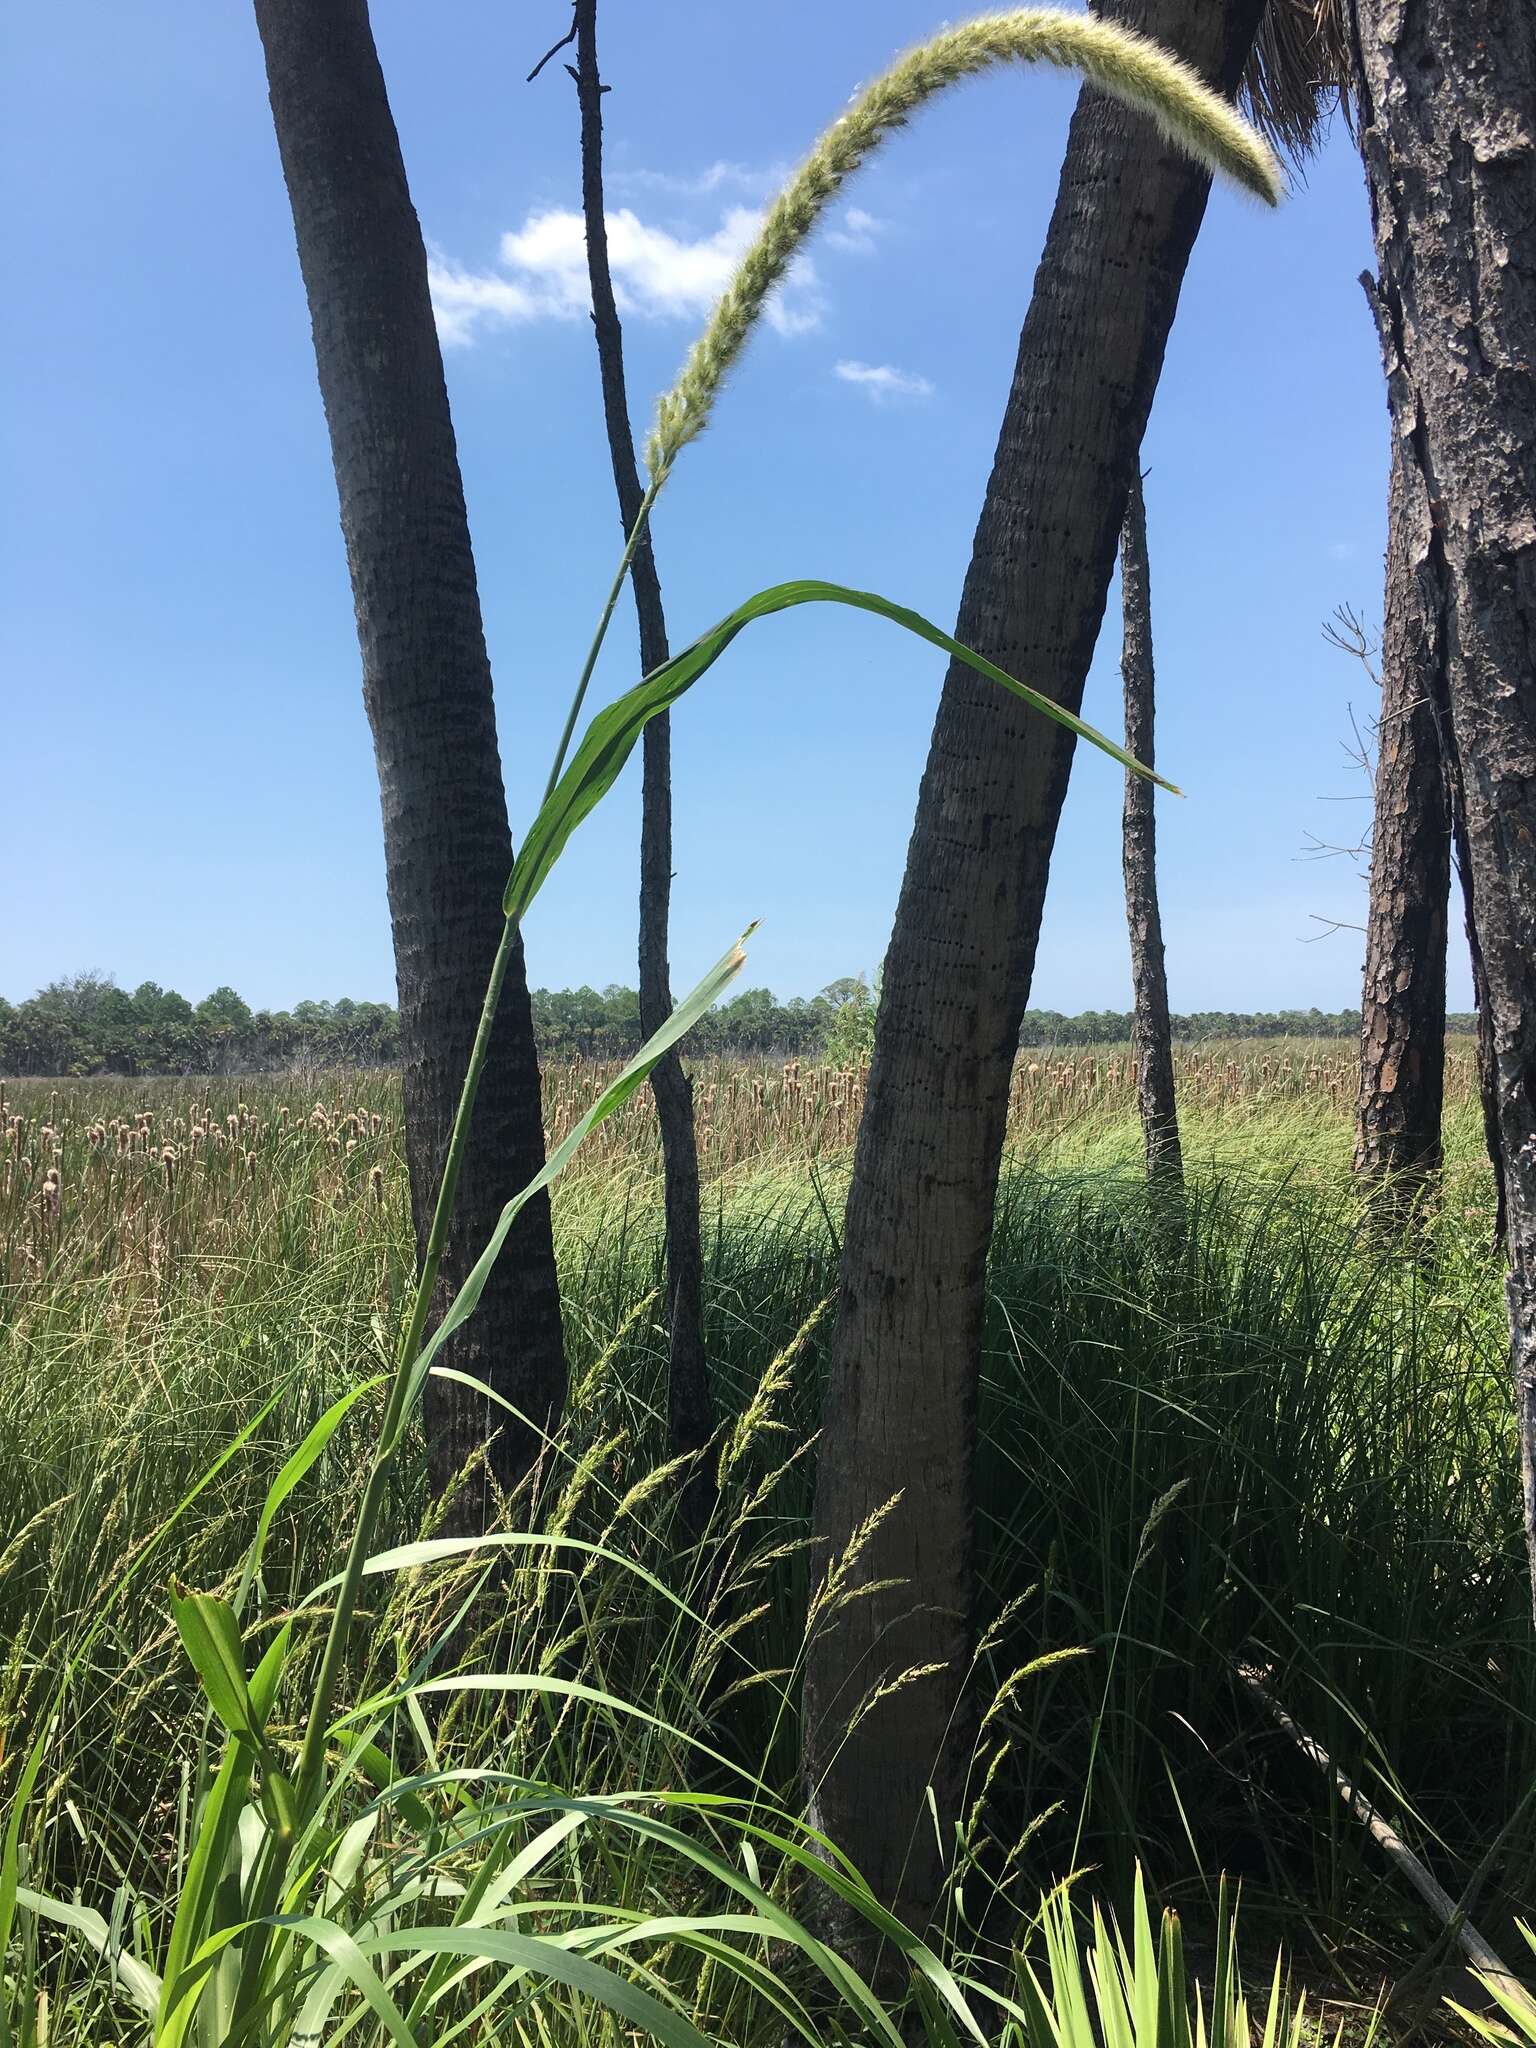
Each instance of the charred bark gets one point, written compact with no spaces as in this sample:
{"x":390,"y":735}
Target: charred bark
{"x":1446,"y":91}
{"x":1151,"y":1029}
{"x":1402,"y":1017}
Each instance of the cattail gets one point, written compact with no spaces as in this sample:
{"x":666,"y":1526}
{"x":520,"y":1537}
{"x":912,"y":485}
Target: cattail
{"x":168,"y":1166}
{"x":376,"y":1185}
{"x":1127,"y":66}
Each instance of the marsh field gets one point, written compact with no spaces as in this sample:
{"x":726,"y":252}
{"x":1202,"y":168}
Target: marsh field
{"x":624,"y":1512}
{"x":1257,"y":1444}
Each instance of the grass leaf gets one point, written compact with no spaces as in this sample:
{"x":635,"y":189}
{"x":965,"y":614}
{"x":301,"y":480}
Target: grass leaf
{"x":610,"y":738}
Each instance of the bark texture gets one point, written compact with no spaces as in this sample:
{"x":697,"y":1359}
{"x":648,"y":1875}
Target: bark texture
{"x":901,"y":1403}
{"x":1402,"y":1016}
{"x":1151,"y":1030}
{"x":1447,"y":104}
{"x":427,"y":687}
{"x":690,"y":1414}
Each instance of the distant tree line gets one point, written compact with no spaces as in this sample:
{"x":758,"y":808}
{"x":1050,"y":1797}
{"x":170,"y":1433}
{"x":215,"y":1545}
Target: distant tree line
{"x":86,"y":1024}
{"x":1113,"y":1027}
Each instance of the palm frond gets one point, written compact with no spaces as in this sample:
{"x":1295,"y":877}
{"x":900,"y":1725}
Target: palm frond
{"x":1298,"y":72}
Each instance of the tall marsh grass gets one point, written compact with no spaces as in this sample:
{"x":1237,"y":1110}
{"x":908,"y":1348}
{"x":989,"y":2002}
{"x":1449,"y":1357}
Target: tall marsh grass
{"x":1273,"y":1445}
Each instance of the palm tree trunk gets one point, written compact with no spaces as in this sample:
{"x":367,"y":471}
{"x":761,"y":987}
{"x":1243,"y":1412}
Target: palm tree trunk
{"x":1402,"y":1022}
{"x":1445,"y":91}
{"x":689,"y":1410}
{"x":900,"y":1416}
{"x":1151,"y":1031}
{"x":427,"y":688}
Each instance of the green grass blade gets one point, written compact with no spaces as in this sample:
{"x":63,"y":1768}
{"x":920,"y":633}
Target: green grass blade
{"x":688,"y":1011}
{"x":294,"y":1471}
{"x":210,"y":1635}
{"x":10,"y":1851}
{"x":140,"y":1983}
{"x":609,"y":739}
{"x":217,"y":1828}
{"x":546,"y":1959}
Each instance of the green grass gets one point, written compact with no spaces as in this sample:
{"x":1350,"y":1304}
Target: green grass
{"x":1270,"y":1442}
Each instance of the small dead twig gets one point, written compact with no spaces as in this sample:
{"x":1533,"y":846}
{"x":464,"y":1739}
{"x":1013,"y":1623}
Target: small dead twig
{"x":554,"y":50}
{"x":1452,"y":1918}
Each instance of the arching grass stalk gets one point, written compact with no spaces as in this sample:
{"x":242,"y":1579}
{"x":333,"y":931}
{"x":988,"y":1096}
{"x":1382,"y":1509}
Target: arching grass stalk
{"x":1129,"y":67}
{"x":598,"y":637}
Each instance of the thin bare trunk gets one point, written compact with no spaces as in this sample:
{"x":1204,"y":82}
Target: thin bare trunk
{"x":427,"y":687}
{"x":689,"y":1409}
{"x":900,"y":1419}
{"x":1151,"y":1030}
{"x":1446,"y":91}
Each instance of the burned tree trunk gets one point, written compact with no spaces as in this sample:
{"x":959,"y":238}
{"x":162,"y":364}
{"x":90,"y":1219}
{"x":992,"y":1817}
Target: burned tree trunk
{"x":1151,"y":1031}
{"x":689,"y":1409}
{"x":1446,"y":91}
{"x":1402,"y":1017}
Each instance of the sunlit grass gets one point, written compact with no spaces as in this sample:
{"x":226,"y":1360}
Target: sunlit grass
{"x":1272,"y":1441}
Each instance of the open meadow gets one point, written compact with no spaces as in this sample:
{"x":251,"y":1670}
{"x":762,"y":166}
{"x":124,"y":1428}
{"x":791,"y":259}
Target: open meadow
{"x":1255,"y":1440}
{"x":813,"y":1503}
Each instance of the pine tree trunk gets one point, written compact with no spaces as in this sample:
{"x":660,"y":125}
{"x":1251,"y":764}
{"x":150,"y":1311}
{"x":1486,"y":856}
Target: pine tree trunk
{"x":427,"y":688}
{"x":1447,"y":101}
{"x":1151,"y":1030}
{"x":900,"y":1416}
{"x":1402,"y":1020}
{"x":689,"y":1410}
{"x":1487,"y":1064}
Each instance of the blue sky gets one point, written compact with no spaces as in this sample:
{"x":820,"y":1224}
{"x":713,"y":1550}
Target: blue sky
{"x":189,"y":777}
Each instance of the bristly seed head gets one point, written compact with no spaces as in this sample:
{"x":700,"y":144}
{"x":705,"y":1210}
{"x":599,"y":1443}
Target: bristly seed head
{"x":1127,"y":66}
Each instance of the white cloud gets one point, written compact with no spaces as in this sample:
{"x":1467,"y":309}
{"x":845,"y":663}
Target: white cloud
{"x":716,"y":177}
{"x":462,"y":300}
{"x":882,"y":382}
{"x":656,"y":275}
{"x":855,"y":232}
